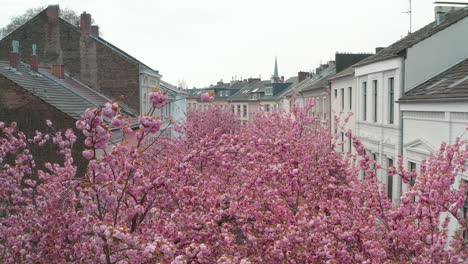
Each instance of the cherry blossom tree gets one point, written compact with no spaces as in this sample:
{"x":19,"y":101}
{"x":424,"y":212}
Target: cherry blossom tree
{"x":272,"y":191}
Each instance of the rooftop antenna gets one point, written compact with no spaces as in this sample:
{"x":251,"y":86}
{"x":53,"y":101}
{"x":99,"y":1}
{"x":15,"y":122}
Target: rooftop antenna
{"x":410,"y":12}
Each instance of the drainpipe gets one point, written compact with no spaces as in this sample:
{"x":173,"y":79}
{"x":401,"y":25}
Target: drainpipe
{"x":402,"y":91}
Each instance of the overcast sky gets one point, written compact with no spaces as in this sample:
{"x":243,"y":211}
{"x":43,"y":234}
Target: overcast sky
{"x":203,"y":41}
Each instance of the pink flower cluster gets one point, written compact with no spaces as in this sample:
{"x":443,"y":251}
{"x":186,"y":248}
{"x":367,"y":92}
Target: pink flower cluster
{"x":206,"y":97}
{"x":158,"y":98}
{"x":149,"y":123}
{"x":94,"y":129}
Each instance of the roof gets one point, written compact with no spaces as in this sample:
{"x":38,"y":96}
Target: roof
{"x":256,"y":91}
{"x":55,"y":94}
{"x":318,"y":80}
{"x":427,"y":31}
{"x":172,"y":88}
{"x":346,"y":72}
{"x":450,"y":84}
{"x":67,"y":95}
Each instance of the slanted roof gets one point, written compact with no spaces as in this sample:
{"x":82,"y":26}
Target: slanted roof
{"x":346,"y":72}
{"x":67,"y":95}
{"x":53,"y":93}
{"x":401,"y":45}
{"x":319,"y":80}
{"x":245,"y":93}
{"x":172,"y":88}
{"x":450,"y":84}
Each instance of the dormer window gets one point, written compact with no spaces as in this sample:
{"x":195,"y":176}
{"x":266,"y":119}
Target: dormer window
{"x":268,"y":90}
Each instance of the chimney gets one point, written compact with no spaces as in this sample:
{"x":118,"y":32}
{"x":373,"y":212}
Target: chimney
{"x":95,"y":31}
{"x":34,"y":61}
{"x":441,"y":11}
{"x":53,"y":12}
{"x":14,"y":54}
{"x":378,"y":49}
{"x":302,"y":76}
{"x":282,"y":79}
{"x":85,"y":24}
{"x":58,"y":71}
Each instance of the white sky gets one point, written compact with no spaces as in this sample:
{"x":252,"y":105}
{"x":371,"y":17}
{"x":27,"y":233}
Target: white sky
{"x":203,"y":41}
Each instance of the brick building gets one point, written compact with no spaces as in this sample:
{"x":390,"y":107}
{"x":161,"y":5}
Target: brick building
{"x":30,"y":95}
{"x":85,"y":56}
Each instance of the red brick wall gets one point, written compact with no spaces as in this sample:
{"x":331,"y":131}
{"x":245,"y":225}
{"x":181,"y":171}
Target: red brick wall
{"x":94,"y":63}
{"x":31,"y":113}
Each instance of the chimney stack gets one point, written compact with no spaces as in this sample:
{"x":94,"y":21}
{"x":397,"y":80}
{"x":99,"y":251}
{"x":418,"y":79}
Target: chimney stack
{"x":14,"y":54}
{"x":34,"y":61}
{"x":95,"y":31}
{"x":53,"y":12}
{"x":282,"y":79}
{"x":85,"y":24}
{"x":58,"y":71}
{"x":302,"y":76}
{"x":441,"y":11}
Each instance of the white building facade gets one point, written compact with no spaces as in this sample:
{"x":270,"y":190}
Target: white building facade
{"x":377,"y":116}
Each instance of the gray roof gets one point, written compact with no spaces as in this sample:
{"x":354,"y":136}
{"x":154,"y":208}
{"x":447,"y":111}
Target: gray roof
{"x":46,"y":89}
{"x":67,"y":95}
{"x":401,"y":45}
{"x":346,"y":72}
{"x":450,"y":84}
{"x":318,"y":80}
{"x":172,"y":88}
{"x":258,"y":88}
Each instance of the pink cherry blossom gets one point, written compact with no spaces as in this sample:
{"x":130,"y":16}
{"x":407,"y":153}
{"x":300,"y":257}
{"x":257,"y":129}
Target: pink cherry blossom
{"x":206,"y":97}
{"x":158,"y":98}
{"x":271,"y":191}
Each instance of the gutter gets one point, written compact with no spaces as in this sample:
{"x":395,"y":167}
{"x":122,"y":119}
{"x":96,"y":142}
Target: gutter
{"x":423,"y":100}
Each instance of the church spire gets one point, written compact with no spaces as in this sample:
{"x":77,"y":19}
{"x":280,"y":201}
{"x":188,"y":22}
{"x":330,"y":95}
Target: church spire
{"x":276,"y":77}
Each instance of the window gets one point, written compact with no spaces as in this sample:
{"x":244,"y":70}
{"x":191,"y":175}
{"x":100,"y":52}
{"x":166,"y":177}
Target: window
{"x":244,"y":110}
{"x":342,"y":99}
{"x":389,"y":180}
{"x":336,"y":93}
{"x":391,"y":99}
{"x":233,"y":108}
{"x":374,"y":89}
{"x":350,"y":93}
{"x":239,"y":109}
{"x":411,"y":168}
{"x":324,"y":109}
{"x":364,"y":101}
{"x":267,"y":108}
{"x":342,"y":141}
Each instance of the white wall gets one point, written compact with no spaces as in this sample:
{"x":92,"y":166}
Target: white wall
{"x":339,"y":85}
{"x":427,"y":125}
{"x":436,"y":54}
{"x":381,"y":137}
